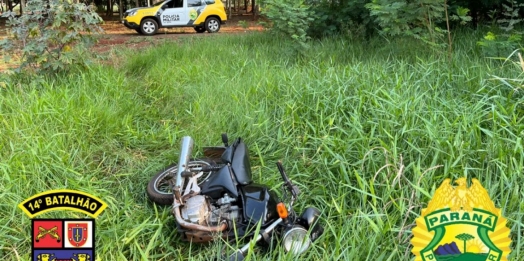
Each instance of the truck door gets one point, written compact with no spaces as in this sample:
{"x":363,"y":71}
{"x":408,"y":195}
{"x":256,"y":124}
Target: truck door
{"x":195,"y":8}
{"x":174,"y":13}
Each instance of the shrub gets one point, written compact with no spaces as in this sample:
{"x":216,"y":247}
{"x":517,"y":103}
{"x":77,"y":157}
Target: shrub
{"x":341,"y":17}
{"x":289,"y":18}
{"x":418,"y":19}
{"x":50,"y":35}
{"x":502,"y":40}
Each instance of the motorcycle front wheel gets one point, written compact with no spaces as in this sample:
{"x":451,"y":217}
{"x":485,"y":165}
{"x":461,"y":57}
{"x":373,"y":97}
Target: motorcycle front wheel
{"x":159,"y":188}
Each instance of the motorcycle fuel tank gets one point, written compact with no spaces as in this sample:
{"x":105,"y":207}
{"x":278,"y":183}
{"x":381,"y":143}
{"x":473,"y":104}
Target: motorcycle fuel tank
{"x":219,"y":183}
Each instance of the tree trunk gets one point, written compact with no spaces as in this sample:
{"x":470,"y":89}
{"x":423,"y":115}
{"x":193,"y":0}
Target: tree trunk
{"x":120,"y":10}
{"x":136,"y":3}
{"x":474,"y":14}
{"x":22,"y":6}
{"x":253,"y":8}
{"x":109,"y":11}
{"x":229,"y":1}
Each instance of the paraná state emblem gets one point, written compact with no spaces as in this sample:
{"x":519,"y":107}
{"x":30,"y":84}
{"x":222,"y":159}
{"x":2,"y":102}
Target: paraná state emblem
{"x":461,"y":223}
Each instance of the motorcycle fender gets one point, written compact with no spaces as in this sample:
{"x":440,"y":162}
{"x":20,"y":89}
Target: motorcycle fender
{"x":310,"y":219}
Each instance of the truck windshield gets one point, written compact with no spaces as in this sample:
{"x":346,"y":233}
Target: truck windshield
{"x":159,"y":3}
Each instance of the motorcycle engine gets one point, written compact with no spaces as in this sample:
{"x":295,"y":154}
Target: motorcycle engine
{"x":201,"y":210}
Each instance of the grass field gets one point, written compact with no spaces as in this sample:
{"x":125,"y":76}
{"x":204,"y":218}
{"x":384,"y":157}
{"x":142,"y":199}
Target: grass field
{"x":366,"y":129}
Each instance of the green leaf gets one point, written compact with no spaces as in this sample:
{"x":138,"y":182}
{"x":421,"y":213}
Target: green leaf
{"x":39,"y":38}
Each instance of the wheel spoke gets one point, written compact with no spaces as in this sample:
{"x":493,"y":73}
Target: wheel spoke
{"x":163,"y":183}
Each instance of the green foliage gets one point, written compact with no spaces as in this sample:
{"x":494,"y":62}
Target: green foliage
{"x":243,"y":24}
{"x":461,"y":15}
{"x":505,"y":38}
{"x":414,"y":18}
{"x":50,"y":35}
{"x":367,"y":130}
{"x":501,"y":45}
{"x":289,"y":18}
{"x":334,"y":17}
{"x":419,"y":19}
{"x":510,"y":15}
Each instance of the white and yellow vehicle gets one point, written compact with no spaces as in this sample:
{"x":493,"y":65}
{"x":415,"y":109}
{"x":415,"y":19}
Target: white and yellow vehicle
{"x":203,"y":15}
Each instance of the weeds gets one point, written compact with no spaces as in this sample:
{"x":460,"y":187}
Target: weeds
{"x":366,"y":130}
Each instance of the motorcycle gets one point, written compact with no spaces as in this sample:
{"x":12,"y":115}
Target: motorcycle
{"x":216,"y":197}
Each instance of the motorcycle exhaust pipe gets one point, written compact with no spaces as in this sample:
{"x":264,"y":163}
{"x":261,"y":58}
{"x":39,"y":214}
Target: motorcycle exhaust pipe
{"x":185,"y":154}
{"x":188,"y":225}
{"x":183,"y":162}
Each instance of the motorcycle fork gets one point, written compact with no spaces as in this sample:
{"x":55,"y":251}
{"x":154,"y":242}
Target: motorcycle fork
{"x":240,"y":253}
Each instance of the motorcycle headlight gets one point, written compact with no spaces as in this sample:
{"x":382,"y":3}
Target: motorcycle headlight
{"x":296,"y":240}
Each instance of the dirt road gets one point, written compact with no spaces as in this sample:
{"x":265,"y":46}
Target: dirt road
{"x":116,"y":35}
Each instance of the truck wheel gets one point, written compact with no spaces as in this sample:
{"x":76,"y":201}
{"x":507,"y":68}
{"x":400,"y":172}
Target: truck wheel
{"x":148,"y":26}
{"x":212,"y":25}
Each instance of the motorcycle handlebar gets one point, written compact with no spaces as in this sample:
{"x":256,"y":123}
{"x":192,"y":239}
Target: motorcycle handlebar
{"x":292,"y":188}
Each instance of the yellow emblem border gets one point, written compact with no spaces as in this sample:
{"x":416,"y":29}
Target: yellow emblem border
{"x":33,"y":214}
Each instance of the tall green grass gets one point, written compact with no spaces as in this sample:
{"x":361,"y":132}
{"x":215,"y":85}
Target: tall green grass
{"x":366,"y":129}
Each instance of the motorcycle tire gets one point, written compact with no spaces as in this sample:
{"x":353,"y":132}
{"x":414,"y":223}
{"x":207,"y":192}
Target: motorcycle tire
{"x":159,"y":188}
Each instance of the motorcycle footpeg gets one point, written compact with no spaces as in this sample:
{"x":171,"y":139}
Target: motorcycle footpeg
{"x":210,"y":168}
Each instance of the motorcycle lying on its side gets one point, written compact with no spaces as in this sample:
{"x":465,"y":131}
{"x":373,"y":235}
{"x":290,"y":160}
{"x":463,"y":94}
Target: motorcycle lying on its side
{"x":216,"y":196}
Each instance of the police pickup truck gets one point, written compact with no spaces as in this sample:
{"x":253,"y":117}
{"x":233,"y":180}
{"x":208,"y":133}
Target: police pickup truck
{"x":203,"y":15}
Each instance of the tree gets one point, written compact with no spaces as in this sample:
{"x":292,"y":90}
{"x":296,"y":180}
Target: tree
{"x":464,"y":237}
{"x":416,"y":18}
{"x":50,"y":35}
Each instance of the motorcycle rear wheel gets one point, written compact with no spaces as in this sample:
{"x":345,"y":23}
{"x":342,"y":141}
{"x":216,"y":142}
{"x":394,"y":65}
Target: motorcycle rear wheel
{"x":159,"y":187}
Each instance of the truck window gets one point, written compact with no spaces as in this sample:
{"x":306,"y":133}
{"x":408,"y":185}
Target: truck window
{"x":178,"y":3}
{"x":194,"y":3}
{"x":175,"y":4}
